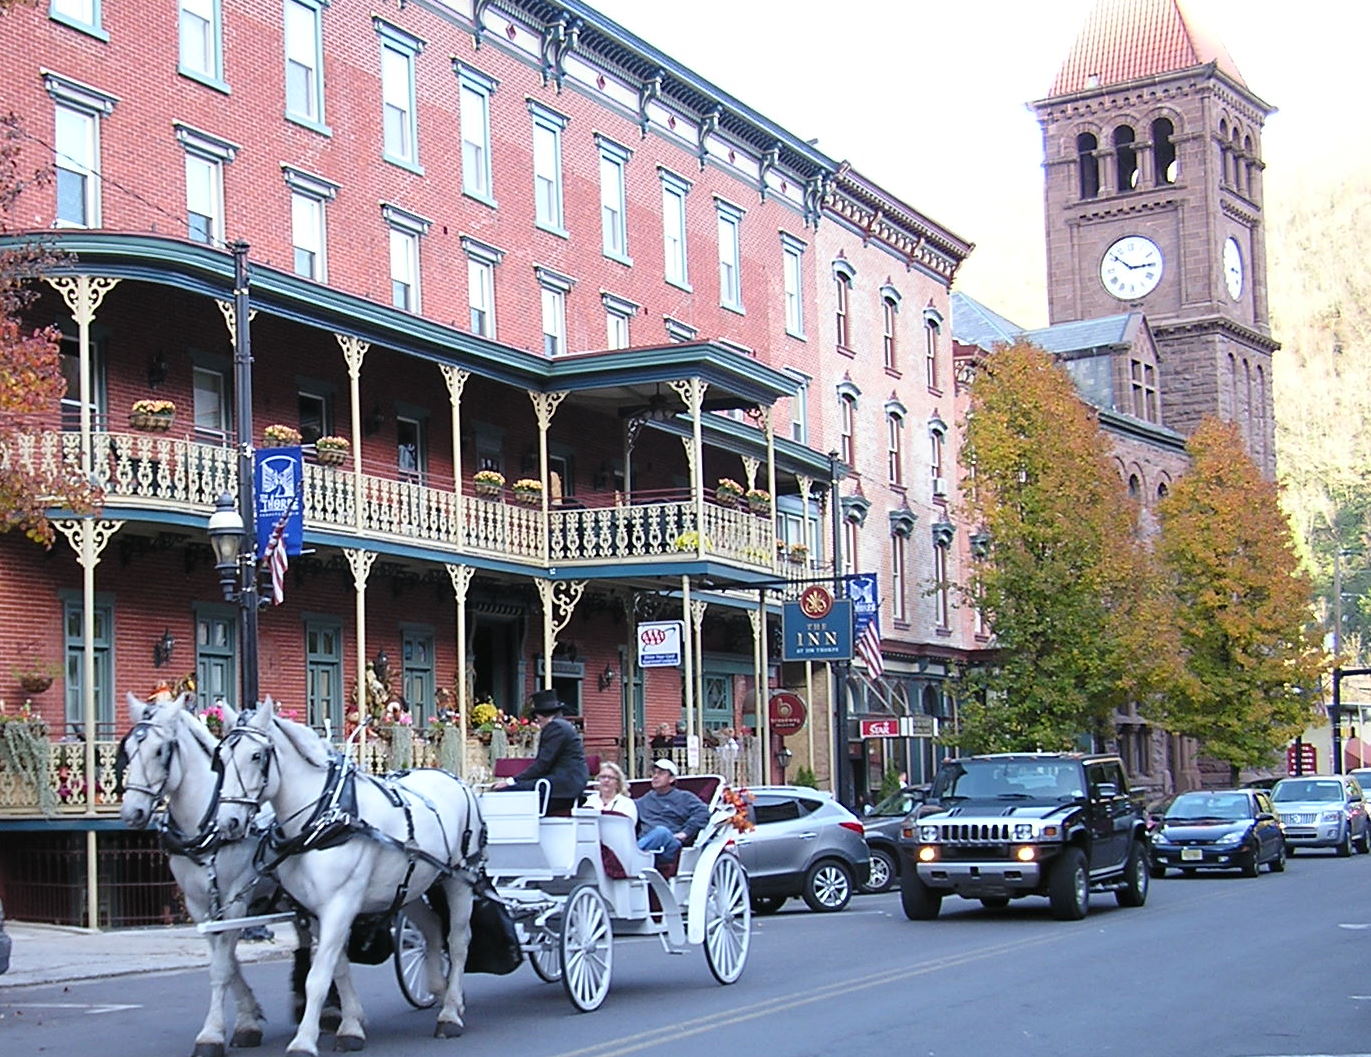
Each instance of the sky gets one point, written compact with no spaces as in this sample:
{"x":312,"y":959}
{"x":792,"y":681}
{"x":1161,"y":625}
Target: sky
{"x":928,"y":99}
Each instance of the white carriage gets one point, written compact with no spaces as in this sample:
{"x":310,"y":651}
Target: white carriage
{"x":574,"y":883}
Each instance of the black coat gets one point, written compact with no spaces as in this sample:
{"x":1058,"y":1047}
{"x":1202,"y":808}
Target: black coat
{"x":561,"y":760}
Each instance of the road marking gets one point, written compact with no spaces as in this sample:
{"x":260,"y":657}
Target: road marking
{"x":784,"y":1003}
{"x":1357,"y":925}
{"x":88,"y":1007}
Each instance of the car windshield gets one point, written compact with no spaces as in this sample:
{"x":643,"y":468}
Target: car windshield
{"x":1008,"y":780}
{"x":897,"y":804}
{"x":1292,"y":789}
{"x":1224,"y":807}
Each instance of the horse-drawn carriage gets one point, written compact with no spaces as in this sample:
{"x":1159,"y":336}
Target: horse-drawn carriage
{"x":347,"y":846}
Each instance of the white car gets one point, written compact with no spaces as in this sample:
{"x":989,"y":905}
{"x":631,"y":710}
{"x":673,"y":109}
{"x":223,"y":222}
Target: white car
{"x":1323,"y":811}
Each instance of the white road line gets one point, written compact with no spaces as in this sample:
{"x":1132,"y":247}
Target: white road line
{"x":88,"y":1007}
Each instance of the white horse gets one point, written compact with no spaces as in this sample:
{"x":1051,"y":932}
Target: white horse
{"x":168,"y":754}
{"x":340,"y":857}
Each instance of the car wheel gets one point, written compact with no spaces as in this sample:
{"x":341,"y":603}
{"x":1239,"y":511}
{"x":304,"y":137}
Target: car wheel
{"x":1290,"y":851}
{"x":883,"y":872}
{"x":767,"y":904}
{"x":828,"y":886}
{"x":919,"y":902}
{"x":1345,"y":846}
{"x":1068,"y":887}
{"x":1251,"y":866}
{"x":1278,"y":863}
{"x":995,"y":902}
{"x":1156,"y":871}
{"x":1135,"y":875}
{"x":1364,"y":845}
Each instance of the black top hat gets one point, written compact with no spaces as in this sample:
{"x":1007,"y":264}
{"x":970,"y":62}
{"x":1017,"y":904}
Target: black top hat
{"x":546,"y":703}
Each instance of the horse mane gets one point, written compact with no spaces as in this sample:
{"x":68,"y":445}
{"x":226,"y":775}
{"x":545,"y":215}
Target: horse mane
{"x":200,"y":733}
{"x":307,"y":743}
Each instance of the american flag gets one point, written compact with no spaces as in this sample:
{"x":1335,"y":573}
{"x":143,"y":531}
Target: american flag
{"x":868,"y":646}
{"x":277,"y":560}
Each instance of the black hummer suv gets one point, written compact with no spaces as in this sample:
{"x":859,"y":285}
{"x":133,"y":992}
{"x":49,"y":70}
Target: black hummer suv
{"x":1018,"y":824}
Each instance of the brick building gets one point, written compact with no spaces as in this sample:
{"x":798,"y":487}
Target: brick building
{"x":505,"y":237}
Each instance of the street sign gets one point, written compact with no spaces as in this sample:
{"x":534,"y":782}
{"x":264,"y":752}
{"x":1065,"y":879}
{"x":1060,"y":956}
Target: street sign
{"x":1309,"y":762}
{"x":659,"y":643}
{"x":827,"y":637}
{"x":786,"y":713}
{"x":919,"y":726}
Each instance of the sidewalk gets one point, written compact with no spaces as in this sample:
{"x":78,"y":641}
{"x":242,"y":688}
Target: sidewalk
{"x":49,"y":954}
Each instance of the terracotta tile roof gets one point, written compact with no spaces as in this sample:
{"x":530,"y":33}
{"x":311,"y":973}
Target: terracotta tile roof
{"x":1124,"y":40}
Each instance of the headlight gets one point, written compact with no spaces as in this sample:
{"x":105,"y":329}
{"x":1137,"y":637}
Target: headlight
{"x":928,"y":834}
{"x":1331,"y":816}
{"x":1159,"y":837}
{"x":1234,"y":837}
{"x":1023,"y":831}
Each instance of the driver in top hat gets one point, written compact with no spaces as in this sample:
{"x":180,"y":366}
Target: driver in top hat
{"x":561,"y":758}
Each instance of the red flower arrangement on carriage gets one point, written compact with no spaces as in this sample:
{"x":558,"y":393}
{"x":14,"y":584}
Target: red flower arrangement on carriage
{"x":739,"y":799}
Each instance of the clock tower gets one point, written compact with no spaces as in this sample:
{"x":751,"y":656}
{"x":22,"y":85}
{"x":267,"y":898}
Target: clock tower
{"x":1152,"y":163}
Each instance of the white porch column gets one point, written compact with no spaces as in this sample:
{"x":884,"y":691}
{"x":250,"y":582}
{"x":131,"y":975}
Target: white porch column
{"x":83,"y":295}
{"x":754,"y":617}
{"x":688,"y":684}
{"x":544,"y":407}
{"x":692,"y":393}
{"x":697,"y":617}
{"x":360,"y":562}
{"x":764,"y":704}
{"x":88,"y":538}
{"x":561,"y":596}
{"x":460,"y":575}
{"x":354,"y":352}
{"x":455,"y":378}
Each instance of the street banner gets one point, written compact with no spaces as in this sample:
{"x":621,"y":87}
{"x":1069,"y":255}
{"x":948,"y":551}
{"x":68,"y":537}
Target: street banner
{"x":865,"y":592}
{"x":659,"y":643}
{"x":279,"y":478}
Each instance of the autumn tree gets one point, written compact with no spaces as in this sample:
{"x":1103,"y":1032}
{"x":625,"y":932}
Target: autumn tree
{"x":31,"y":381}
{"x":1079,"y":627}
{"x":1249,"y":649}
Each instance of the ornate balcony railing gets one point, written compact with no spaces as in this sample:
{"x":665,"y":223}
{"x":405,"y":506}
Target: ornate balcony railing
{"x":165,"y":472}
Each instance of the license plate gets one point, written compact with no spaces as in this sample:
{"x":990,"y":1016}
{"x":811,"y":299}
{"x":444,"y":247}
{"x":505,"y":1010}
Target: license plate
{"x":1191,"y":855}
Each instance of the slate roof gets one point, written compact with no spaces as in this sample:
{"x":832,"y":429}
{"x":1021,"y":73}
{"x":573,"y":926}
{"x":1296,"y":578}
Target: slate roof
{"x":975,"y":324}
{"x":1082,"y":334}
{"x":1127,"y":40}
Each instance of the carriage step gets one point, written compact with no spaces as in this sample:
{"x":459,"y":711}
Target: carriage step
{"x":207,"y":927}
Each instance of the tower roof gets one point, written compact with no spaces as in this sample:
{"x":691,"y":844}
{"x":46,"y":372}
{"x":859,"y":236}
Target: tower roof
{"x":1126,"y":40}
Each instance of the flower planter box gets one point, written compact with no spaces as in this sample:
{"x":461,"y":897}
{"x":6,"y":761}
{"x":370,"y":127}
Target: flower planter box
{"x":727,"y":499}
{"x":487,"y":491}
{"x":529,"y":498}
{"x":151,"y":423}
{"x":331,"y":456}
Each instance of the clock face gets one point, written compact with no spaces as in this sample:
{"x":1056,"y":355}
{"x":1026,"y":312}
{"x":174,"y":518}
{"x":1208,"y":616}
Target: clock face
{"x":1132,"y":267}
{"x":1232,"y":267}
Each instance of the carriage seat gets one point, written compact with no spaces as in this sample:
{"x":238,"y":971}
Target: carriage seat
{"x":619,"y":851}
{"x":510,"y":766}
{"x":705,"y":786}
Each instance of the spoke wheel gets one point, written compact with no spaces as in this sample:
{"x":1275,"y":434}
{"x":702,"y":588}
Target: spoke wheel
{"x":828,"y":886}
{"x":544,"y":952}
{"x":587,"y":948}
{"x":411,"y":950}
{"x":728,"y":920}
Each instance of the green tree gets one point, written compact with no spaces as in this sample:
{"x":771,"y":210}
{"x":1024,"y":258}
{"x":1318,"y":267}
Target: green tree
{"x":1249,"y":649}
{"x":1079,"y":625}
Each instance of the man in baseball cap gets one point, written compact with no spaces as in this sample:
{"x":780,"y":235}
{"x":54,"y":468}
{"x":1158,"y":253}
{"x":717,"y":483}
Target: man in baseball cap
{"x":668,"y":817}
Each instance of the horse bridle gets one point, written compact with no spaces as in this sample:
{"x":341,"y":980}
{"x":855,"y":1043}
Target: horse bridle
{"x":138,"y":734}
{"x":235,"y":735}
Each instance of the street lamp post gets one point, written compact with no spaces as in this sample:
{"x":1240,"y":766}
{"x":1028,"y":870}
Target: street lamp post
{"x":840,"y":669}
{"x":783,"y":757}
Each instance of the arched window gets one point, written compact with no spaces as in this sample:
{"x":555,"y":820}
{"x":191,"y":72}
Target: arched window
{"x":894,"y":425}
{"x":843,"y":276}
{"x":1223,"y":152}
{"x":1134,"y":487}
{"x":1088,"y":165}
{"x":1164,"y":151}
{"x":1249,"y":161}
{"x":1236,"y":151}
{"x":847,"y":412}
{"x":1126,"y":157}
{"x":890,"y":307}
{"x":933,"y":324}
{"x":1259,"y":419}
{"x":1162,"y":490}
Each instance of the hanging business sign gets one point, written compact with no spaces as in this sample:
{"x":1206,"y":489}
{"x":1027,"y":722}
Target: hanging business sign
{"x":816,"y":627}
{"x":786,"y":713}
{"x":280,"y":477}
{"x":659,"y":643}
{"x":917,"y":726}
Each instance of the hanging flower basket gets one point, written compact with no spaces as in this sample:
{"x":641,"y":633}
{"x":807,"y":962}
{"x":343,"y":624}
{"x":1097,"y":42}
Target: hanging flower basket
{"x":332,"y":451}
{"x":281,"y":436}
{"x":488,"y":483}
{"x":759,"y":501}
{"x":728,"y":492}
{"x":528,"y":491}
{"x":152,"y":415}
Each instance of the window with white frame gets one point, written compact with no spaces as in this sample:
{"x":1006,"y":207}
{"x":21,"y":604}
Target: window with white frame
{"x":898,"y":548}
{"x":201,"y":39}
{"x":894,"y":425}
{"x":553,"y":288}
{"x":399,"y":121}
{"x":618,"y":312}
{"x":475,"y":90}
{"x":850,"y":537}
{"x":843,"y":276}
{"x":933,"y":325}
{"x":70,"y":351}
{"x":315,"y":414}
{"x":890,"y":310}
{"x":799,"y":407}
{"x":411,"y":448}
{"x":309,"y":195}
{"x":614,"y":199}
{"x":548,"y":207}
{"x":847,"y":424}
{"x":76,"y":149}
{"x":304,"y":36}
{"x":206,"y":157}
{"x":941,"y":608}
{"x":406,"y":229}
{"x":210,"y":402}
{"x":481,"y":261}
{"x":680,"y":331}
{"x":79,"y":14}
{"x":937,"y":436}
{"x":792,"y":271}
{"x":730,"y":220}
{"x":674,"y":191}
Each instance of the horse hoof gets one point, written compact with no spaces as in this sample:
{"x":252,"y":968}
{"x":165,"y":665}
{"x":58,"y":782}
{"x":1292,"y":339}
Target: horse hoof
{"x":247,"y":1038}
{"x":329,"y":1019}
{"x":208,"y":1049}
{"x":349,"y":1043}
{"x":448,"y":1029}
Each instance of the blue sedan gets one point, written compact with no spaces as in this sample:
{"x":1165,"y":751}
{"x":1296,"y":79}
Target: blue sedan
{"x":1227,"y":829}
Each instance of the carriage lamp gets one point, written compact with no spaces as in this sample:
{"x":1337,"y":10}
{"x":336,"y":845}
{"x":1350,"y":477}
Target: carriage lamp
{"x":226,"y":537}
{"x":783,"y":758}
{"x":161,"y":649}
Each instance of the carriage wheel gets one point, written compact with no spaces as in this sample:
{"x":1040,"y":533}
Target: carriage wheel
{"x":410,"y":973}
{"x":587,"y":948}
{"x":728,"y":920}
{"x":544,"y":952}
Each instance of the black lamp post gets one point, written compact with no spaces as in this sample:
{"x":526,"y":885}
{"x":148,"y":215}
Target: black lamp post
{"x":840,"y":669}
{"x":783,"y":758}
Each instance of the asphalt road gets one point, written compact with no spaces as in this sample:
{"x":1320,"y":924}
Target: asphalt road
{"x":1214,"y":965}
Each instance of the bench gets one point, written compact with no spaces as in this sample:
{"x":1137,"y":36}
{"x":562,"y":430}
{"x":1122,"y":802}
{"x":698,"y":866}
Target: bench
{"x":706,"y":786}
{"x":511,"y":766}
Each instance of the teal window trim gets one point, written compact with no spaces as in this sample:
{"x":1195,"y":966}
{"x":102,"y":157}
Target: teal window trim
{"x":214,"y":77}
{"x":553,"y":123}
{"x":93,"y":28}
{"x":316,"y":121}
{"x":406,"y":46}
{"x":482,"y":86}
{"x":106,"y":660}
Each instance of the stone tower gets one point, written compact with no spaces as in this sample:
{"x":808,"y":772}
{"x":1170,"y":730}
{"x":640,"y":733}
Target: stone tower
{"x":1152,"y":162}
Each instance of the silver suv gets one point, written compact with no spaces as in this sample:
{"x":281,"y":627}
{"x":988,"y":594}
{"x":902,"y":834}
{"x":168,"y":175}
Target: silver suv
{"x":805,"y":844}
{"x":1322,"y":811}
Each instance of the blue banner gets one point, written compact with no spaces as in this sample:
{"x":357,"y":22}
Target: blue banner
{"x":827,"y":638}
{"x":279,"y":480}
{"x":865,"y":591}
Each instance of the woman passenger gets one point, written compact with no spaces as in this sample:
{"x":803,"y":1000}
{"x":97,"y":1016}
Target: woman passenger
{"x":611,"y":792}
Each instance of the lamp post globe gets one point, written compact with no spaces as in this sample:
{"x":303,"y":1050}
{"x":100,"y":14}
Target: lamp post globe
{"x":226,"y":538}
